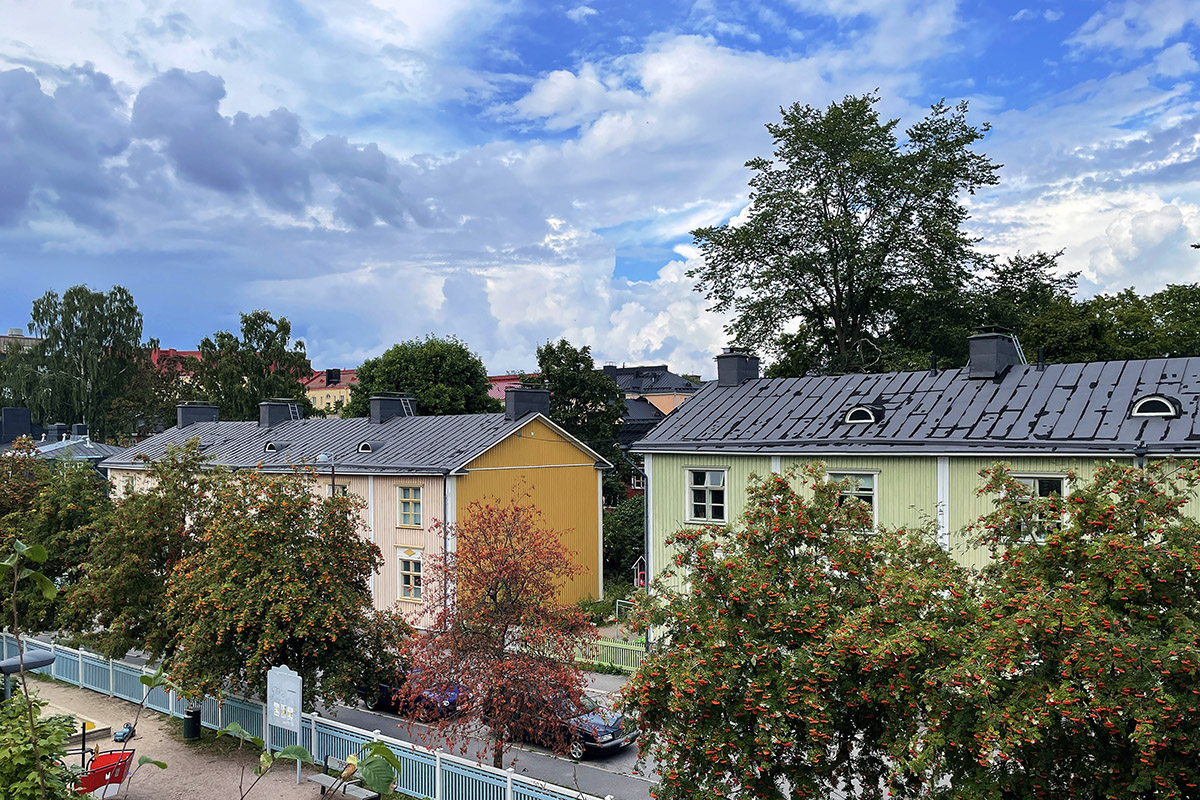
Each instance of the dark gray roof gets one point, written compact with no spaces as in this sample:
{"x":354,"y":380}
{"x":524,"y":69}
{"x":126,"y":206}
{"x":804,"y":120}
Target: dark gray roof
{"x":402,"y":445}
{"x":655,"y":379}
{"x":1066,"y":408}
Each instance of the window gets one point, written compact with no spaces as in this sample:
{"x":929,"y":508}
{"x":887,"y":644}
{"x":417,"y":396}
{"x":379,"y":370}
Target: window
{"x":637,"y":481}
{"x":409,"y":506}
{"x":410,"y":574}
{"x":861,"y":488}
{"x":860,"y":414}
{"x":336,"y":490}
{"x":1042,"y":486}
{"x":1155,"y":405}
{"x":706,"y":495}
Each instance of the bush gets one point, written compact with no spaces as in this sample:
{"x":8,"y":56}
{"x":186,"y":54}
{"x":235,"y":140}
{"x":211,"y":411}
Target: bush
{"x":18,"y":770}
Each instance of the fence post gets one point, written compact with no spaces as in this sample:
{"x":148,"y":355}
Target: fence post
{"x":315,"y":752}
{"x":508,"y":791}
{"x":437,"y":774}
{"x":79,"y":653}
{"x":266,"y":727}
{"x":110,"y":678}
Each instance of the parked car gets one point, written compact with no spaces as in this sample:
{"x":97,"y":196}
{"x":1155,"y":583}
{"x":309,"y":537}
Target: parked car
{"x":583,"y":728}
{"x":434,"y":702}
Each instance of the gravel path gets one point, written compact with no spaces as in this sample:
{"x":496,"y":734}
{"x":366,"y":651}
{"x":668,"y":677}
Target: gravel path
{"x":193,"y":772}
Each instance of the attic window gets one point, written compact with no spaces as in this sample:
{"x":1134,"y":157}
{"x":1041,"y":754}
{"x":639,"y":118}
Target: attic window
{"x":364,"y":447}
{"x":1155,"y":405}
{"x":274,"y":447}
{"x":861,"y":414}
{"x":269,"y":448}
{"x":370,"y":446}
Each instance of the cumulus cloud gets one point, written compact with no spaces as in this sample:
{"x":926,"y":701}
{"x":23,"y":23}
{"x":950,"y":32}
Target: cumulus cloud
{"x":581,"y":13}
{"x":1136,"y":25}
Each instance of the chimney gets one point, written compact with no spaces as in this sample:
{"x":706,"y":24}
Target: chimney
{"x":520,"y":400}
{"x":78,"y":430}
{"x":610,"y":370}
{"x":735,"y":367}
{"x":14,"y":422}
{"x":190,"y":413}
{"x":273,"y":412}
{"x":333,"y":377}
{"x":56,"y":432}
{"x":993,"y":352}
{"x":384,"y":407}
{"x":16,"y":331}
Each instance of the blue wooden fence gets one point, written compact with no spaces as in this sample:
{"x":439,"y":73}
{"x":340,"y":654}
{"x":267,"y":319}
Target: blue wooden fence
{"x":425,"y":773}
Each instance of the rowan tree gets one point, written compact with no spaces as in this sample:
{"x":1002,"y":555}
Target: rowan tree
{"x":1083,"y":680}
{"x":281,"y":576}
{"x":791,"y":650}
{"x":499,"y":630}
{"x":116,"y":606}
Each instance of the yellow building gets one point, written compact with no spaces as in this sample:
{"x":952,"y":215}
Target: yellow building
{"x":327,"y":388}
{"x":413,"y":472}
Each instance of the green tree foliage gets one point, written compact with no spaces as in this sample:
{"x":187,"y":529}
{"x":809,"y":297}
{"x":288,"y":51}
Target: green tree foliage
{"x":442,"y":374}
{"x":19,"y":762}
{"x":1081,"y":680}
{"x":792,"y":662}
{"x":239,"y":373}
{"x":624,"y":537}
{"x":117,"y":606}
{"x":84,"y":361}
{"x":58,"y":505}
{"x":844,"y":216}
{"x":499,"y":630}
{"x":588,"y":404}
{"x":148,"y":404}
{"x":280,"y":576}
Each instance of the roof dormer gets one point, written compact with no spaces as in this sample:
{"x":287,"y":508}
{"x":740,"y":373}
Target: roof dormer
{"x":1155,"y":405}
{"x":863,"y":414}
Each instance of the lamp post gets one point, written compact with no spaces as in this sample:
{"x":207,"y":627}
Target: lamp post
{"x":326,"y":458}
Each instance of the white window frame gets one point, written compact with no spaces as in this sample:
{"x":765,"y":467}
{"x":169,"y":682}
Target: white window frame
{"x":401,"y":500}
{"x":860,"y":473}
{"x":336,"y":490}
{"x":1151,"y":398}
{"x":416,"y":584}
{"x":864,"y":410}
{"x":637,"y":481}
{"x":1035,"y":476}
{"x":708,"y":504}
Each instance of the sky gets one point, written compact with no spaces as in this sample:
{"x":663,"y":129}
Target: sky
{"x":515,"y":172}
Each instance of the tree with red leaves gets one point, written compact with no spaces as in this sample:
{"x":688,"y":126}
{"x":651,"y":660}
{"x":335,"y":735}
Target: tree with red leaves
{"x":499,"y":631}
{"x":792,"y":649}
{"x":1083,"y":679}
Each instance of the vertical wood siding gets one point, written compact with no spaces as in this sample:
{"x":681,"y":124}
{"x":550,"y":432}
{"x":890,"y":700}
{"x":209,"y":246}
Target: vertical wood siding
{"x":561,"y":482}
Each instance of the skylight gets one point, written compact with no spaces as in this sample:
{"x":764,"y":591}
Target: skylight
{"x":1155,"y":405}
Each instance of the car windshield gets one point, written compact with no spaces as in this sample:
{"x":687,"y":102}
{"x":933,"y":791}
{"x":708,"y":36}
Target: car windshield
{"x":587,"y":704}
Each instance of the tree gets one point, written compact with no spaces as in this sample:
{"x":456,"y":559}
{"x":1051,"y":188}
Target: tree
{"x":624,"y":538}
{"x":442,"y":374}
{"x":280,"y":576}
{"x":586,"y":402}
{"x":21,"y":764}
{"x":57,"y":505}
{"x":84,"y":360}
{"x":791,"y":663}
{"x":498,"y":630}
{"x":842,"y":217}
{"x":238,"y":374}
{"x":148,"y":404}
{"x":117,"y":605}
{"x":1081,"y":681}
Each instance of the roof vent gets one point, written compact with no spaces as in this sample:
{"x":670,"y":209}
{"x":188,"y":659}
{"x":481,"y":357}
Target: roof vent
{"x":370,"y":446}
{"x":993,"y":352}
{"x":333,"y":377}
{"x":190,"y":413}
{"x":1155,"y":405}
{"x":274,"y":447}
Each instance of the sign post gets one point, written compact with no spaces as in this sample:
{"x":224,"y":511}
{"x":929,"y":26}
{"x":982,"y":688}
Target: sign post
{"x":285,"y":691}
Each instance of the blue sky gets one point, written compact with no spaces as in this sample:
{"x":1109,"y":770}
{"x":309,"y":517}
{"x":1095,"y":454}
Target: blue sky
{"x":514,"y":172}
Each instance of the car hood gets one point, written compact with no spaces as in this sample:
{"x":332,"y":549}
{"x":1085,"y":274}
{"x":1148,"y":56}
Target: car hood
{"x":602,"y":720}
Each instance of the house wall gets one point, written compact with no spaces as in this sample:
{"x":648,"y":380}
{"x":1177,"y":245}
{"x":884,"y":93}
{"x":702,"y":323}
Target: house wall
{"x":563,"y":483}
{"x":907,"y":491}
{"x":666,"y":403}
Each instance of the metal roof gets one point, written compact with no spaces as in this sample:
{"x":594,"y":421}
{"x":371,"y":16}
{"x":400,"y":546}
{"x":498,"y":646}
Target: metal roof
{"x":402,"y":445}
{"x":655,"y":379}
{"x":1061,"y":408}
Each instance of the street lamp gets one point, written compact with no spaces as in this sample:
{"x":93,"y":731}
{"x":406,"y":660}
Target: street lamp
{"x":23,"y":662}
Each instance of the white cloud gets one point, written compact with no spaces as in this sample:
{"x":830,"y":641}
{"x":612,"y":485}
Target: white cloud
{"x":1023,"y":15}
{"x":581,"y":13}
{"x":1052,"y":15}
{"x":1136,"y":25}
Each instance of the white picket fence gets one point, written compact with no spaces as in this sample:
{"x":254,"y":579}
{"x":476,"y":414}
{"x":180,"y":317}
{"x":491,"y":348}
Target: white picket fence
{"x":425,"y":773}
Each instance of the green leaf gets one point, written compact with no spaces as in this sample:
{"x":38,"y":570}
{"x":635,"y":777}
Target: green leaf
{"x":296,"y":753}
{"x":156,"y":680}
{"x":378,"y":748}
{"x":265,"y":761}
{"x":36,"y":554}
{"x":233,"y":729}
{"x":377,"y":773}
{"x":143,"y":760}
{"x":46,"y":585}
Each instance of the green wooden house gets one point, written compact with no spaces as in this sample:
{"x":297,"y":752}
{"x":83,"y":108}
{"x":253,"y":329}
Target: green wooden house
{"x":913,"y":443}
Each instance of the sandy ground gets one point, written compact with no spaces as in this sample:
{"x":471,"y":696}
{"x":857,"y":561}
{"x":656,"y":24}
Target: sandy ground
{"x":193,"y":772}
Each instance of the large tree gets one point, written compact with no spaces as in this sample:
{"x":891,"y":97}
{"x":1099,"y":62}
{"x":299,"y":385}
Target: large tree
{"x":85,"y":358}
{"x":791,"y":661}
{"x":842,"y":218}
{"x":280,"y":575}
{"x":239,"y":373}
{"x":498,"y":629}
{"x":584,"y":400}
{"x":148,"y":404}
{"x":442,"y":374}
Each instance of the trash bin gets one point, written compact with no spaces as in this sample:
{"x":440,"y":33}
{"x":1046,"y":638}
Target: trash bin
{"x":191,"y":723}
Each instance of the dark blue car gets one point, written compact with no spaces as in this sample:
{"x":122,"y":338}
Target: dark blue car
{"x":583,"y":728}
{"x":433,"y":702}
